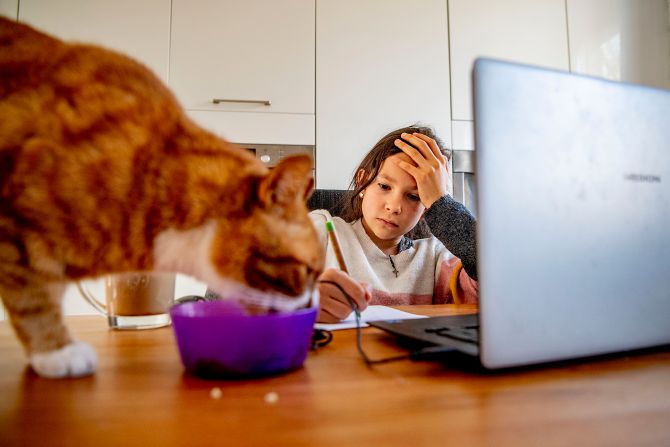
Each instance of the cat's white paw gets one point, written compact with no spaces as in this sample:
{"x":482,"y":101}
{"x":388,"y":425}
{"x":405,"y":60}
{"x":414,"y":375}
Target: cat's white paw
{"x":74,"y":360}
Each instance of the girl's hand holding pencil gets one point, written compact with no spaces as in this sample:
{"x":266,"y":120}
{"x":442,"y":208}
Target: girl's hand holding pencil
{"x":332,"y":283}
{"x":335,"y":306}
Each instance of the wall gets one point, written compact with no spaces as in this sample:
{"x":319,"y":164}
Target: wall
{"x":621,"y":40}
{"x":389,"y":69}
{"x":9,"y":8}
{"x":625,"y":40}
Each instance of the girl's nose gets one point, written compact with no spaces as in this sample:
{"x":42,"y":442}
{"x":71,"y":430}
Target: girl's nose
{"x":393,"y":205}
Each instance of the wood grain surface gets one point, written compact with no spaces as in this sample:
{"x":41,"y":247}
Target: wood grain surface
{"x":141,"y":395}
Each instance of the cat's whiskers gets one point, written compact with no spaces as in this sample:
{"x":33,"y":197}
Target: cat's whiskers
{"x":272,"y":301}
{"x":188,"y":252}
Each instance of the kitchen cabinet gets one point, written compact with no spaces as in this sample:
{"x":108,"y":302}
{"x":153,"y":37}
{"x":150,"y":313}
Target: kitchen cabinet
{"x":622,"y":40}
{"x":139,"y":29}
{"x":342,"y":73}
{"x":527,"y":31}
{"x":9,"y":8}
{"x":379,"y":66}
{"x":257,"y":57}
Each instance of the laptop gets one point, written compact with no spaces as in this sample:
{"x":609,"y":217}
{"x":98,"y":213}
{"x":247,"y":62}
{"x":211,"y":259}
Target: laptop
{"x":573,"y":185}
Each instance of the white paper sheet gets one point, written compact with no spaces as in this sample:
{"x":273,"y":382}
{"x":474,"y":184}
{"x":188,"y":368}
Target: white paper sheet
{"x":371,"y":313}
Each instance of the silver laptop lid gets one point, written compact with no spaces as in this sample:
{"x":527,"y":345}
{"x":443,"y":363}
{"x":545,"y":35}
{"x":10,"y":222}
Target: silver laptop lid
{"x":573,"y":183}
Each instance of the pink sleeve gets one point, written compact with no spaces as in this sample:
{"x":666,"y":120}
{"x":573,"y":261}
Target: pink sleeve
{"x":468,"y":289}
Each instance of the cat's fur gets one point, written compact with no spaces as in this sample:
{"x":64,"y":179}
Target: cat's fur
{"x":101,"y":171}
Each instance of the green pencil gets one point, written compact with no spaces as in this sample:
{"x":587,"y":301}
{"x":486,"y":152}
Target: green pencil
{"x":330,"y":228}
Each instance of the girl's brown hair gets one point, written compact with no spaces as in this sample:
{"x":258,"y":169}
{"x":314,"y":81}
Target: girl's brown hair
{"x":371,"y":164}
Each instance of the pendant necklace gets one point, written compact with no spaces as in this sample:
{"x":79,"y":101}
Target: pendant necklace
{"x":395,"y":270}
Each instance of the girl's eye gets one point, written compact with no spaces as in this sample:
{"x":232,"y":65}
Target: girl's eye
{"x":384,"y":186}
{"x":414,"y":198}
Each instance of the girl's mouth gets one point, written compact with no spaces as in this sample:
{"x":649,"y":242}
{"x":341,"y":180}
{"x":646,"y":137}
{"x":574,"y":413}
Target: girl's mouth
{"x":387,"y":223}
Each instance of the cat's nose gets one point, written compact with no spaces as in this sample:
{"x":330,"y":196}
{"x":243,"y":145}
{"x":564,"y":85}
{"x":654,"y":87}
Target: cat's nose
{"x":299,"y":280}
{"x":312,"y":276}
{"x":288,"y":278}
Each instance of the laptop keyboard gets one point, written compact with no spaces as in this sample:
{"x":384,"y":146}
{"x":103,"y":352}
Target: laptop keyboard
{"x":460,"y":332}
{"x":469,"y":334}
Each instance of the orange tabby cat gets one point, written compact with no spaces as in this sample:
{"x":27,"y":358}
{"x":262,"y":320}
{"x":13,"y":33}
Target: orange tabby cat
{"x":101,"y":171}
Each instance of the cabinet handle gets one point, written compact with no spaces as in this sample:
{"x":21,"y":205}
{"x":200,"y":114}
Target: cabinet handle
{"x":265,"y":102}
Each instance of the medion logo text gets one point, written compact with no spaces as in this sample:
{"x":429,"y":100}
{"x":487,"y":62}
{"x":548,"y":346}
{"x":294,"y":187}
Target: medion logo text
{"x":643,"y":178}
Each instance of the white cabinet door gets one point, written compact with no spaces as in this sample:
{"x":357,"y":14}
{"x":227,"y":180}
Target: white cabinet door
{"x":9,"y":8}
{"x":247,"y":50}
{"x":139,"y":29}
{"x":379,"y":66}
{"x":528,"y":31}
{"x":622,"y":40}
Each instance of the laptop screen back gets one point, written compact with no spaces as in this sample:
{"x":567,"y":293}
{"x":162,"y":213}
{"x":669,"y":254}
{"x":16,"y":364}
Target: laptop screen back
{"x":573,"y":191}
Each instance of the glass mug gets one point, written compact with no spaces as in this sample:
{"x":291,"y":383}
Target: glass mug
{"x":134,"y":300}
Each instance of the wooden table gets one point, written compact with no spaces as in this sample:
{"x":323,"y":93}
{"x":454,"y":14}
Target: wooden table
{"x":141,"y":396}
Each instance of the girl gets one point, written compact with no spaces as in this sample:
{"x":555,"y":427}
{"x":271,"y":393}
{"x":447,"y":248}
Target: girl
{"x":402,"y":179}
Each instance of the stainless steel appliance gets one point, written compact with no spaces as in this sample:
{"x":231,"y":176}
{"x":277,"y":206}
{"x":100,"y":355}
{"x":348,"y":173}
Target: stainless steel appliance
{"x":270,"y":154}
{"x":463,"y":174}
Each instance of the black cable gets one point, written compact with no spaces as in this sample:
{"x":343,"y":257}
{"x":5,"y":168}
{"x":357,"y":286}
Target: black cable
{"x":320,"y":338}
{"x":359,"y":343}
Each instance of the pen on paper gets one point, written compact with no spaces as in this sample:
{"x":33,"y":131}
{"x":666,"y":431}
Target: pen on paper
{"x":330,"y":229}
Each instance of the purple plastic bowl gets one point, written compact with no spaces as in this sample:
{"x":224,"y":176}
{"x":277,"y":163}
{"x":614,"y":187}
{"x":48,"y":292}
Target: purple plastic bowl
{"x":217,"y":339}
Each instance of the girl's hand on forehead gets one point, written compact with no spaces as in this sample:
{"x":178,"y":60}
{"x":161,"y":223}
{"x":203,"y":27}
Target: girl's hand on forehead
{"x":430,"y":169}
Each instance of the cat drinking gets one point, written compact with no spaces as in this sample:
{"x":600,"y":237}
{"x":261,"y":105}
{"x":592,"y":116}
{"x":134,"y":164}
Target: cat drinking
{"x":102,"y":172}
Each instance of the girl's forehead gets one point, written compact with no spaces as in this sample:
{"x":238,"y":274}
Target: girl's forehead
{"x":402,"y":156}
{"x":390,"y":162}
{"x":393,"y":172}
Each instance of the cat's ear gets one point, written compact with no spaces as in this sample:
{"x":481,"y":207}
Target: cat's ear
{"x":310,"y":188}
{"x":291,"y":179}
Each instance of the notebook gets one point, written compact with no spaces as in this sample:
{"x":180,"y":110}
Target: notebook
{"x":573,"y":187}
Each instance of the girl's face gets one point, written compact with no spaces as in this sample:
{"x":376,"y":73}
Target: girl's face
{"x":391,"y":205}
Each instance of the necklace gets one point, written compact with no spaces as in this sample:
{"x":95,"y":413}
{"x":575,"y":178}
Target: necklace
{"x":395,"y":270}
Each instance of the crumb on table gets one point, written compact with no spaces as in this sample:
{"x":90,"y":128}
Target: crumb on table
{"x":271,"y":398}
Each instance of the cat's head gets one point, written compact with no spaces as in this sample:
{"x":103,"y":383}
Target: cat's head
{"x":269,"y":246}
